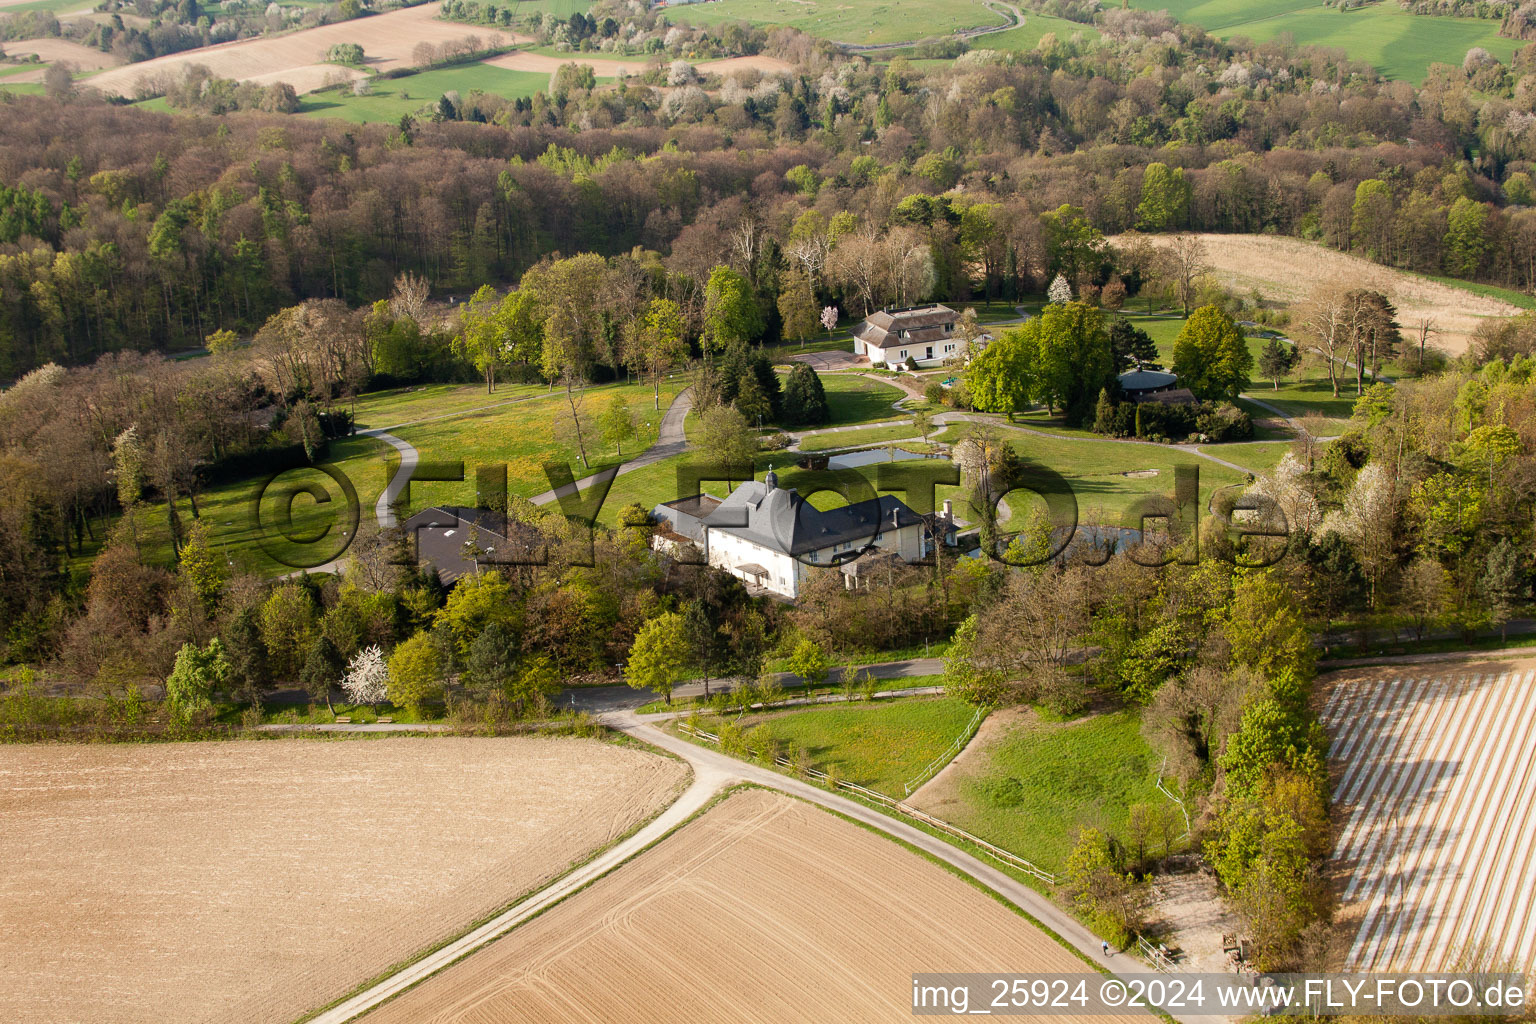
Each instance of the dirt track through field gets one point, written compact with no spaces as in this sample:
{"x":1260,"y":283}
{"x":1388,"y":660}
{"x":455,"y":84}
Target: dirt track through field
{"x":764,"y":909}
{"x":1287,"y":270}
{"x":254,"y":881}
{"x":387,"y":41}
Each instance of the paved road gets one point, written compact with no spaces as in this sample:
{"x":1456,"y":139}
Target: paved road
{"x":600,"y":699}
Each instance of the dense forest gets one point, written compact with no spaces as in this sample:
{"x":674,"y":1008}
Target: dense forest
{"x":121,"y":228}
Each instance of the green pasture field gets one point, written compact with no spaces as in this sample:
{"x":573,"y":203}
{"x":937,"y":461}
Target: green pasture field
{"x":861,"y":22}
{"x":879,"y":745}
{"x":1399,"y":44}
{"x":1027,"y":36}
{"x":1036,"y":784}
{"x":393,"y":98}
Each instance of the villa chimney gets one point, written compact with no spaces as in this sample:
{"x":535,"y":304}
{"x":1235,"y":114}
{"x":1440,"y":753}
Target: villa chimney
{"x":949,"y":509}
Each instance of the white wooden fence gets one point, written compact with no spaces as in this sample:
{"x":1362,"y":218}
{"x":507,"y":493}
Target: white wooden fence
{"x":949,"y":752}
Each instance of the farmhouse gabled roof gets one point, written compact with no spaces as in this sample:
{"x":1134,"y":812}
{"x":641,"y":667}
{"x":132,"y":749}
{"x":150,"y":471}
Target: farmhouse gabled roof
{"x":923,"y":324}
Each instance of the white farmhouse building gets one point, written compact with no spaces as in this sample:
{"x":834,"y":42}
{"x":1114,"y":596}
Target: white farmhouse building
{"x":917,"y":336}
{"x":770,"y":537}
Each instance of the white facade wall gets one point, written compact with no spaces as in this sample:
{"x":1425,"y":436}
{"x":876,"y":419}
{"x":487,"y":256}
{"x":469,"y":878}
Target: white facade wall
{"x":786,"y":573}
{"x":946,"y":348}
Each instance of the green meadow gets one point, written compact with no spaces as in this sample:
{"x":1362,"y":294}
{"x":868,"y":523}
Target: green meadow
{"x":394,"y":98}
{"x":1399,"y":44}
{"x":1035,"y":785}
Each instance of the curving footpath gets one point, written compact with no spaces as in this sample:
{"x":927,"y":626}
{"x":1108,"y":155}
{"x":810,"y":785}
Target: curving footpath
{"x":409,"y":459}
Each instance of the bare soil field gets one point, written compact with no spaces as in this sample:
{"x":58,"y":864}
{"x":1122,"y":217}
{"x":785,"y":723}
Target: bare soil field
{"x":609,"y":68}
{"x":256,"y":881}
{"x":764,"y":909}
{"x":1287,"y":269}
{"x":387,"y":41}
{"x":51,"y":51}
{"x":1434,"y":772}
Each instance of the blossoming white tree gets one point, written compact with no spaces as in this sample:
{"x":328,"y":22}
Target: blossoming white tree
{"x":367,"y":678}
{"x":829,"y":317}
{"x":1059,"y":291}
{"x":1285,"y":486}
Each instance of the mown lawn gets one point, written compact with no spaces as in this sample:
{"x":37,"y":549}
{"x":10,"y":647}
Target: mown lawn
{"x":524,"y":436}
{"x":852,"y":398}
{"x":1255,"y":456}
{"x":1038,"y":783}
{"x":855,"y":438}
{"x":879,"y":745}
{"x":258,"y":540}
{"x":1099,"y":471}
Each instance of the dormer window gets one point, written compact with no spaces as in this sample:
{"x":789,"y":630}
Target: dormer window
{"x":948,"y":328}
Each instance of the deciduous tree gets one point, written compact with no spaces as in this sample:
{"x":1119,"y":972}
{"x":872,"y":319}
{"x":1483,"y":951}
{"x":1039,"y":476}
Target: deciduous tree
{"x":659,"y":655}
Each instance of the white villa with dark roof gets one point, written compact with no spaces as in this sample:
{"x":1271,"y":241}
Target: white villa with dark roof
{"x":770,"y":537}
{"x":916,"y":336}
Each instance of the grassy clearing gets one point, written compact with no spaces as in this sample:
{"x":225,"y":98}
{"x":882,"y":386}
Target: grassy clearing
{"x":1028,"y":35}
{"x":1398,"y":44}
{"x":1097,"y":471}
{"x":524,"y":436}
{"x":1258,"y":458}
{"x":880,"y":745}
{"x":852,"y":398}
{"x":394,"y":98}
{"x":863,"y":22}
{"x":238,"y":532}
{"x":1298,"y":398}
{"x":397,"y":406}
{"x":1038,"y":782}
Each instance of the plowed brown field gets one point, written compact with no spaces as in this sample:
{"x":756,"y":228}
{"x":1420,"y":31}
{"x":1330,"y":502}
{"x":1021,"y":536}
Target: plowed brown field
{"x":1288,"y":269}
{"x":255,"y":881}
{"x":387,"y":41}
{"x":764,"y":909}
